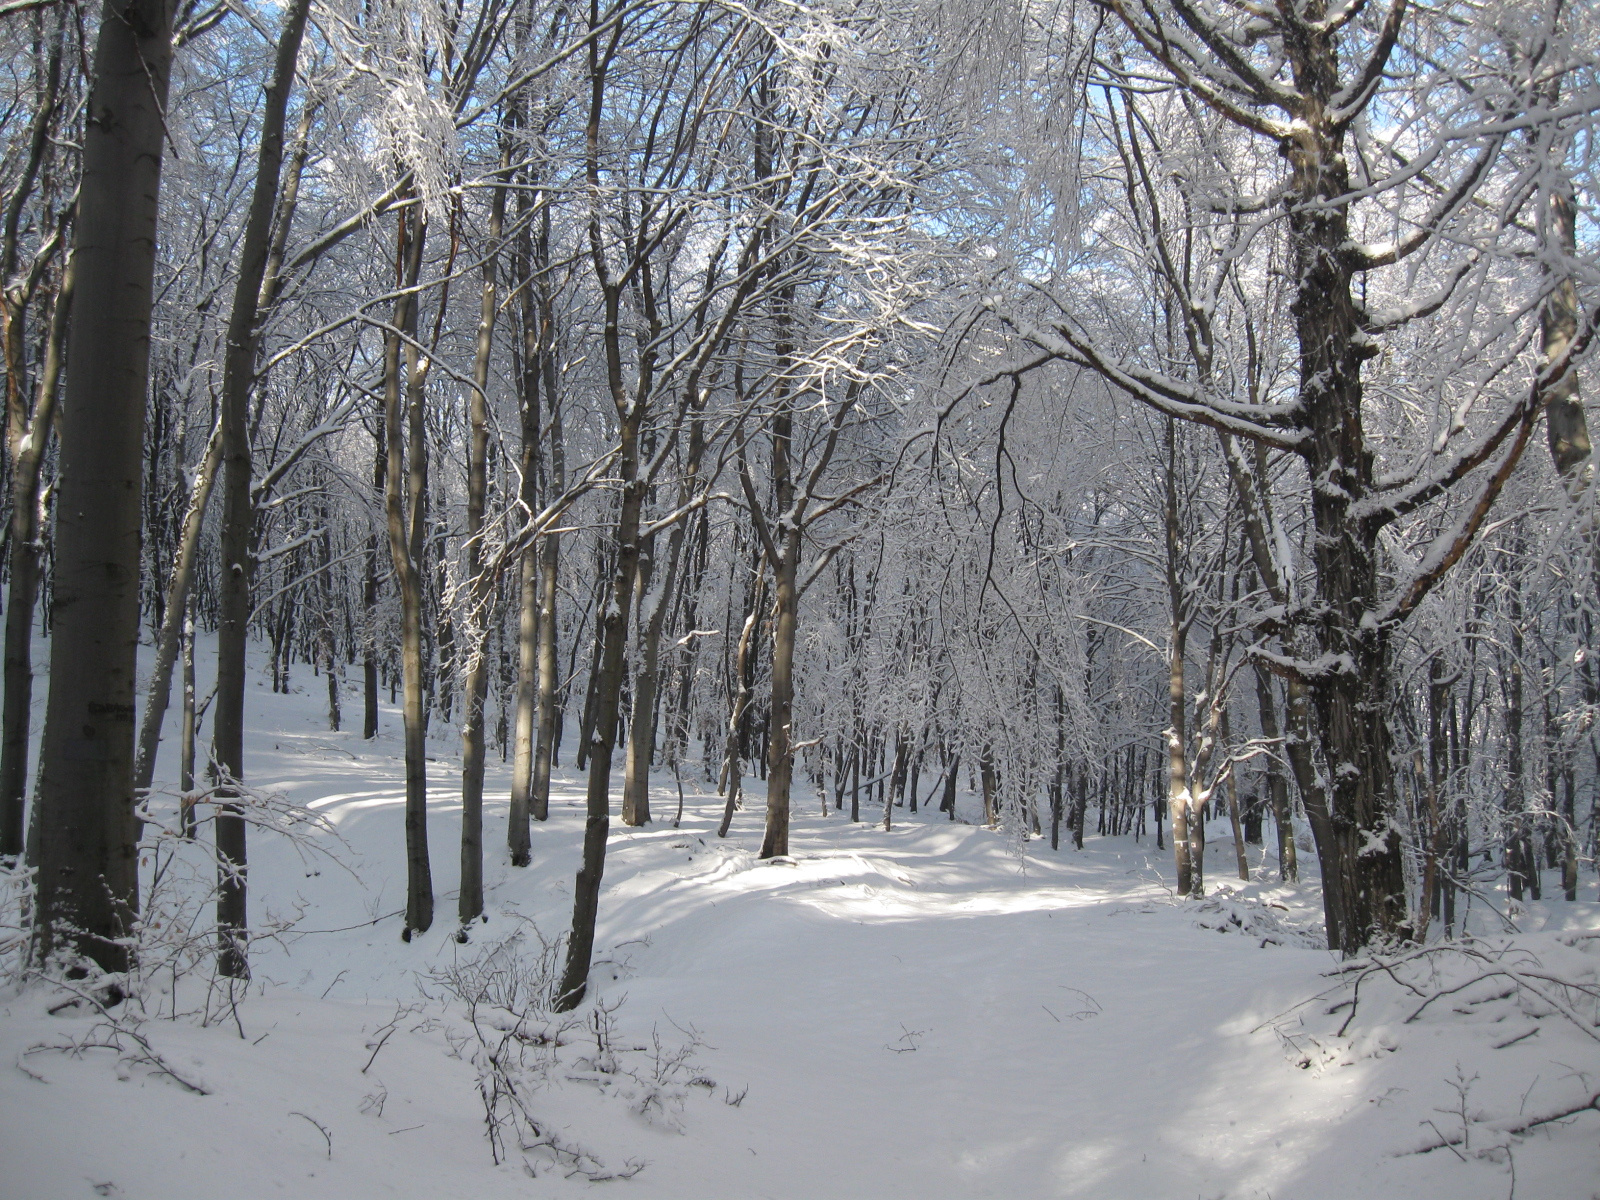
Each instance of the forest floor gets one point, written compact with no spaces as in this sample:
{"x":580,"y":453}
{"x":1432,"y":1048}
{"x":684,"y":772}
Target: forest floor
{"x":934,"y":1011}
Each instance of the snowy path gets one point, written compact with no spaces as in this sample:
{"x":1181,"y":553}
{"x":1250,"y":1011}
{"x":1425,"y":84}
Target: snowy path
{"x":917,"y":1013}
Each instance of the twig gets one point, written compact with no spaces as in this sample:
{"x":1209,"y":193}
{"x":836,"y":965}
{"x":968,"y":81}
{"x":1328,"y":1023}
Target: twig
{"x":321,"y":1128}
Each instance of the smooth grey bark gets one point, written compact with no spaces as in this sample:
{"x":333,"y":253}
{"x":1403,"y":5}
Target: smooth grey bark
{"x":538,"y":565}
{"x":85,"y":820}
{"x":475,"y":687}
{"x":549,"y":666}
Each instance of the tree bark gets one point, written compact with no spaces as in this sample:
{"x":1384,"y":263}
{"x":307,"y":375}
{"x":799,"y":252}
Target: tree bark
{"x":29,"y":427}
{"x":1178,"y":787}
{"x":27,"y":439}
{"x":1558,"y":325}
{"x":616,"y":601}
{"x":549,"y":666}
{"x":87,"y":829}
{"x":1277,"y":786}
{"x":186,"y":734}
{"x":614,"y":633}
{"x":238,"y":510}
{"x":159,"y":690}
{"x":732,"y":778}
{"x":475,"y":687}
{"x":537,"y":367}
{"x":405,"y":535}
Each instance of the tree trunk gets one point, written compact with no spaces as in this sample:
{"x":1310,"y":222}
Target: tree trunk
{"x":1178,"y":787}
{"x":614,"y":634}
{"x":780,"y":757}
{"x":641,"y":731}
{"x":238,"y":511}
{"x":549,"y":665}
{"x":29,"y":427}
{"x":732,"y":779}
{"x":404,"y":539}
{"x":1233,"y":805}
{"x":1558,"y":325}
{"x":991,"y":805}
{"x":27,"y":440}
{"x":159,"y":690}
{"x":475,"y":687}
{"x":616,"y":600}
{"x":87,"y":882}
{"x":186,"y":733}
{"x":369,"y":598}
{"x":1277,"y":786}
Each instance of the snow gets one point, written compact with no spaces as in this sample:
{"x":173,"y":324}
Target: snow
{"x":922,"y":1013}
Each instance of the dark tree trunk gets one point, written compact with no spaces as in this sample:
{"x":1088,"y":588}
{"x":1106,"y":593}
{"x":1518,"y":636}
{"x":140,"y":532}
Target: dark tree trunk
{"x":87,"y":830}
{"x":238,"y":510}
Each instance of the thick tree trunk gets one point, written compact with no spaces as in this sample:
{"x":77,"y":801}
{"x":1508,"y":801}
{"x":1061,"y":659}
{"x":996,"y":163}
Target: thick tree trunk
{"x":1558,"y":325}
{"x":87,"y":830}
{"x":1349,"y":687}
{"x":991,"y":804}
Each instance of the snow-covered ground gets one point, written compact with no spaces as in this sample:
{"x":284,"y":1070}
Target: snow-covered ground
{"x":928,"y":1012}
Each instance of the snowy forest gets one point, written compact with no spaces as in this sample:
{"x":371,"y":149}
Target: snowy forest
{"x":759,"y":598}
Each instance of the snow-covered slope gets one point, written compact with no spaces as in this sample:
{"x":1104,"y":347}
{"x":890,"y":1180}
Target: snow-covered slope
{"x":928,"y":1012}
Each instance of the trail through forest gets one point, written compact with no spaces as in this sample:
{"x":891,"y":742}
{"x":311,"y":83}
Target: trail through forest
{"x":932,"y":1011}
